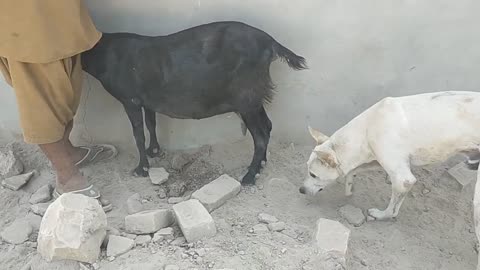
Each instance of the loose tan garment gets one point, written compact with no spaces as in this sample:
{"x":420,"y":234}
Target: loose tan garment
{"x":42,"y":31}
{"x":40,"y":42}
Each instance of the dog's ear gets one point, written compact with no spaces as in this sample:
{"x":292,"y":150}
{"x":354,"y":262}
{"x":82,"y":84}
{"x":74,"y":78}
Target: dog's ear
{"x":318,"y":136}
{"x":327,"y":159}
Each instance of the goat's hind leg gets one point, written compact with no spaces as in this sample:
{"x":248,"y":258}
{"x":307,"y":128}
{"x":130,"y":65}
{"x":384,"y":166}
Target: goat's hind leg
{"x":267,"y":125}
{"x":135,"y":115}
{"x":255,"y":124}
{"x":150,"y":121}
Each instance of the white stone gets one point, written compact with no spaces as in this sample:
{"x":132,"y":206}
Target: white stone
{"x":118,"y":245}
{"x":143,"y":239}
{"x":43,"y":194}
{"x":175,"y":200}
{"x":276,"y":226}
{"x":332,"y":237}
{"x":171,"y":267}
{"x":266,"y":218}
{"x":40,"y":208}
{"x":194,"y":220}
{"x":217,"y":192}
{"x":18,"y":181}
{"x":73,"y":228}
{"x":158,"y":176}
{"x":462,"y":174}
{"x":17,"y":232}
{"x":148,"y":221}
{"x":134,"y":204}
{"x":352,"y":214}
{"x":260,"y":229}
{"x":10,"y":165}
{"x":166,"y":233}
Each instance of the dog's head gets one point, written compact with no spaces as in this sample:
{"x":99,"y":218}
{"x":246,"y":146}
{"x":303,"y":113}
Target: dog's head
{"x":322,"y":165}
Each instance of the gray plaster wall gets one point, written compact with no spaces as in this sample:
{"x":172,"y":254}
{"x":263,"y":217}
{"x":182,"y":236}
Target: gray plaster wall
{"x":359,"y":51}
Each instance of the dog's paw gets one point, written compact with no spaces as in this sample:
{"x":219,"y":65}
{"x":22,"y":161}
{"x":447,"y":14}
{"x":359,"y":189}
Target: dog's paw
{"x":376,"y":213}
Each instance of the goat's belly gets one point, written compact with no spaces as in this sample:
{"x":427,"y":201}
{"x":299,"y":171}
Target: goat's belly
{"x":191,"y":111}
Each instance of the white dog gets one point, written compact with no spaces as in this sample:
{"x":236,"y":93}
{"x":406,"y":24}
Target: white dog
{"x":396,"y":133}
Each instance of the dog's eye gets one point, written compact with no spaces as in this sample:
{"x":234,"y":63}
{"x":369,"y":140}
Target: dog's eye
{"x":313,"y":175}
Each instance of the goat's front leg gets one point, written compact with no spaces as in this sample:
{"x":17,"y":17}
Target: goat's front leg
{"x":402,"y":183}
{"x":150,"y":121}
{"x":135,"y":116}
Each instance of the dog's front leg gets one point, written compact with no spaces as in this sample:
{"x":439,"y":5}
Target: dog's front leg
{"x":349,"y":184}
{"x":401,"y":185}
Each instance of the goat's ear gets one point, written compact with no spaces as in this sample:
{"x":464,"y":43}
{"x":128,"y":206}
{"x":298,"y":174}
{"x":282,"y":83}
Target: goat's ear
{"x":318,"y":136}
{"x":327,"y":159}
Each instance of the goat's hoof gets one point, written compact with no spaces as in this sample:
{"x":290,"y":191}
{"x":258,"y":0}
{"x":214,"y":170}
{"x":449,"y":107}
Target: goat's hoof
{"x":472,"y":164}
{"x":248,"y":180}
{"x":155,"y":152}
{"x":140,"y":172}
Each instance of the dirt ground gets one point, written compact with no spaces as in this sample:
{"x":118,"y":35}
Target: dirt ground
{"x":433,"y":231}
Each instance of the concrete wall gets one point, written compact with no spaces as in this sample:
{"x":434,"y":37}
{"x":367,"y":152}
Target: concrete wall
{"x":358,"y":52}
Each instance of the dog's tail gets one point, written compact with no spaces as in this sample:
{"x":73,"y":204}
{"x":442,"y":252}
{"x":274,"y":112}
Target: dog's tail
{"x":294,"y":61}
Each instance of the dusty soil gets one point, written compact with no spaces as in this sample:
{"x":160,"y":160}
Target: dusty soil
{"x":433,"y":230}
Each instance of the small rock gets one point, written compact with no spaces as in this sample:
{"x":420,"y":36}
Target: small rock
{"x":96,"y":266}
{"x":353,"y":215}
{"x":118,"y":245}
{"x":332,"y":237}
{"x":134,"y":204}
{"x":34,"y":220}
{"x":179,"y":161}
{"x":260,"y":228}
{"x":73,"y":228}
{"x":143,"y":239}
{"x":425,"y":191}
{"x":162,"y":194}
{"x":462,"y":174}
{"x":111,"y":259}
{"x":10,"y":165}
{"x":201,"y":252}
{"x":39,"y":208}
{"x":43,"y":194}
{"x":266,"y":218}
{"x":217,"y":192}
{"x":166,"y":233}
{"x":158,"y":176}
{"x":363,"y":262}
{"x":194,"y":220}
{"x":178,"y":242}
{"x":17,"y":232}
{"x":148,"y":221}
{"x":18,"y":181}
{"x":130,"y":236}
{"x":277,"y":226}
{"x":157,"y":238}
{"x":175,"y":200}
{"x":171,"y":267}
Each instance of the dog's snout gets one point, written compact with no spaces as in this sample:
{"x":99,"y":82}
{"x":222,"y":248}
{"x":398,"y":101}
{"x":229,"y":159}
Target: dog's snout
{"x":302,"y":190}
{"x":320,"y":189}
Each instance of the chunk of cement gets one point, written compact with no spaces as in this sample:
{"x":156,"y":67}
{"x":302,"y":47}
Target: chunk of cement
{"x":134,"y":204}
{"x":42,"y":195}
{"x":158,"y":176}
{"x":276,"y":226}
{"x":73,"y":228}
{"x":166,"y":233}
{"x":148,"y":221}
{"x":260,"y":229}
{"x":39,"y":208}
{"x":217,"y":192}
{"x":143,"y":239}
{"x":118,"y":245}
{"x":266,"y":218}
{"x":462,"y":174}
{"x":194,"y":220}
{"x":10,"y":165}
{"x":332,"y":237}
{"x":353,"y":215}
{"x":17,"y":232}
{"x":18,"y":181}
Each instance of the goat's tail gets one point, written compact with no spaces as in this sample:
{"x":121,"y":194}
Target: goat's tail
{"x":294,"y":61}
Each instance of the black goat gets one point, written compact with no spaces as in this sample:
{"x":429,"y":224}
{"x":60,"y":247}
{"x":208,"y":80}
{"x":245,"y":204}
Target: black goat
{"x":197,"y":73}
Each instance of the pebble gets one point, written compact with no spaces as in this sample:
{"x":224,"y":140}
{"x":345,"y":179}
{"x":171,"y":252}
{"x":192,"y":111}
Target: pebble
{"x":162,"y":194}
{"x":277,"y":226}
{"x":260,"y":228}
{"x":363,"y":262}
{"x":353,"y":215}
{"x":178,"y":242}
{"x":201,"y":252}
{"x":158,"y":176}
{"x":143,"y":239}
{"x":118,"y":245}
{"x":42,"y":195}
{"x":96,"y":266}
{"x":111,"y":259}
{"x":425,"y":191}
{"x":179,"y":161}
{"x":266,"y":218}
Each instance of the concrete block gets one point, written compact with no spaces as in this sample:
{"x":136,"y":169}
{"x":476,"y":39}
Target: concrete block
{"x":148,"y":221}
{"x":217,"y":192}
{"x":332,"y":237}
{"x":194,"y":220}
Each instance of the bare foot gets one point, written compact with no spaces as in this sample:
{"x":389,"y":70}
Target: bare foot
{"x":76,"y":182}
